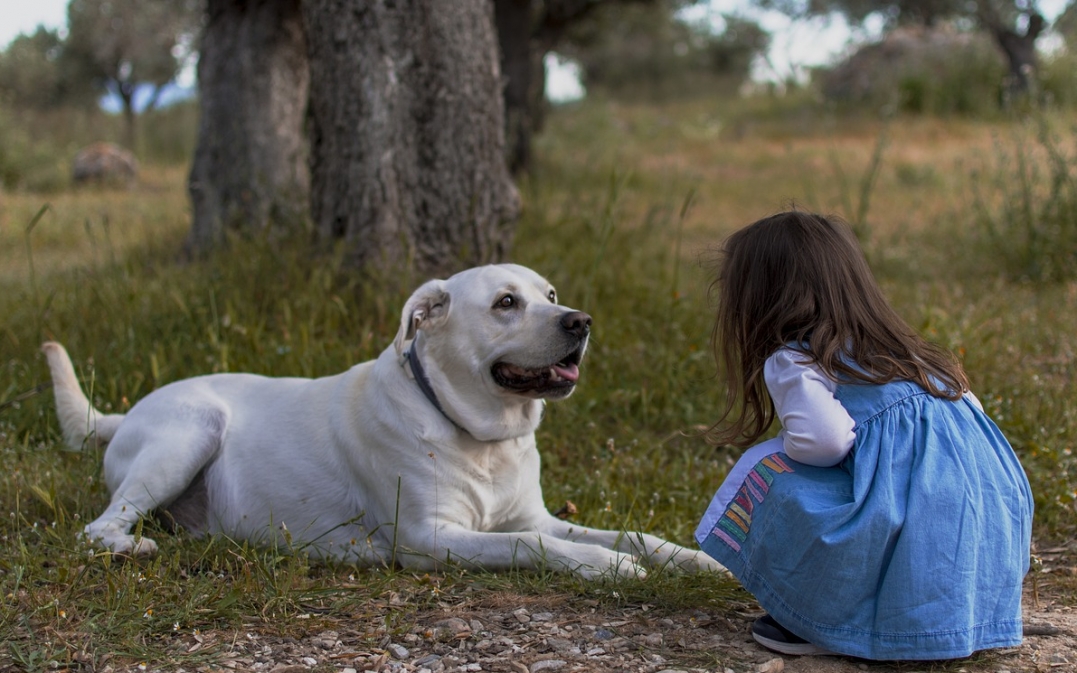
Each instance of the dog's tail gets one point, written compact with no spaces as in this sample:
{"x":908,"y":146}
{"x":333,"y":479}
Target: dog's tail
{"x":78,"y":419}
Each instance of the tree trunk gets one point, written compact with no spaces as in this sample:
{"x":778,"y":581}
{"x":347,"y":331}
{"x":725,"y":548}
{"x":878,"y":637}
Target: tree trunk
{"x":407,"y":133}
{"x":539,"y":105}
{"x":515,"y":25}
{"x":249,"y":173}
{"x":1020,"y":51}
{"x":130,"y":134}
{"x":528,"y":30}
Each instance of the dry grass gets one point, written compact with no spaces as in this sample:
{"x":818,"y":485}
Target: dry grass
{"x":91,"y":226}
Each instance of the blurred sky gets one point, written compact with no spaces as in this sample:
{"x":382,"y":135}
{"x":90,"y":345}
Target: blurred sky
{"x":794,"y":45}
{"x":23,"y":16}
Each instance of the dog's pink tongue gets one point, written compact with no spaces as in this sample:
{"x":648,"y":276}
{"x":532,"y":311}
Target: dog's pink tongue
{"x":571,"y":372}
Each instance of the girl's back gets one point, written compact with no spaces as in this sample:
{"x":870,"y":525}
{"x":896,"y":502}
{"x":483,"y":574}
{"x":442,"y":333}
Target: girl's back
{"x":906,"y":537}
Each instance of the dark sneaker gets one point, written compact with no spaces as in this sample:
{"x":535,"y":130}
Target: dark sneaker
{"x":773,"y":636}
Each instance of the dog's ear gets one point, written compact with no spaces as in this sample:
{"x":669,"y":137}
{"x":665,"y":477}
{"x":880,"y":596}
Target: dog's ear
{"x":425,"y":307}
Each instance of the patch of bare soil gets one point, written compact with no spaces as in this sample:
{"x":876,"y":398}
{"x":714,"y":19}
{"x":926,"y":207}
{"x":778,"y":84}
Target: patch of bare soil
{"x":527,"y":634}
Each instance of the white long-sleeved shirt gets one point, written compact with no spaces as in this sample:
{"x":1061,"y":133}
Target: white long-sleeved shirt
{"x":816,"y":428}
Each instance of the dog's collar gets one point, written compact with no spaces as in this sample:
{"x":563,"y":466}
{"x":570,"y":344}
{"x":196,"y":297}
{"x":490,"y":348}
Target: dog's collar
{"x":424,"y":383}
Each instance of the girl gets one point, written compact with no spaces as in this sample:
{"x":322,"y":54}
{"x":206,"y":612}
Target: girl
{"x":889,"y":519}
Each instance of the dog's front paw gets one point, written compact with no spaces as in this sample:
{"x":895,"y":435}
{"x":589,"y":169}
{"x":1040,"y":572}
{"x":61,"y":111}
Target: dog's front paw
{"x":120,"y":543}
{"x":142,"y":547}
{"x":618,"y":565}
{"x":682,"y":559}
{"x":695,"y":562}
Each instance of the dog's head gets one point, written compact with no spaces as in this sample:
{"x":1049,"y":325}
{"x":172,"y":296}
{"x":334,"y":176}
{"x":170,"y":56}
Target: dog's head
{"x":493,"y":339}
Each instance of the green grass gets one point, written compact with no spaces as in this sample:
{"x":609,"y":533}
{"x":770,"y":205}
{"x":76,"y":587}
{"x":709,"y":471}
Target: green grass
{"x":624,"y":209}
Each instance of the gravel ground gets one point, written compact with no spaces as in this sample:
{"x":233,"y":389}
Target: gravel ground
{"x":528,"y":634}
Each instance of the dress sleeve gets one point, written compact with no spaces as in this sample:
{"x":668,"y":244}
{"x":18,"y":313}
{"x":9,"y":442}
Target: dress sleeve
{"x":816,"y":428}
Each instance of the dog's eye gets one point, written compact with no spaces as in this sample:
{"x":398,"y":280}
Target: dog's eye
{"x":553,"y":296}
{"x":507,"y":301}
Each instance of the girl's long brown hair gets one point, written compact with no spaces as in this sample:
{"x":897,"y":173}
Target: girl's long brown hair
{"x":800,"y":280}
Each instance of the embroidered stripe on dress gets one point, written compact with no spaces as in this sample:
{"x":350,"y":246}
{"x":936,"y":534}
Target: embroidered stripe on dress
{"x":732,"y":528}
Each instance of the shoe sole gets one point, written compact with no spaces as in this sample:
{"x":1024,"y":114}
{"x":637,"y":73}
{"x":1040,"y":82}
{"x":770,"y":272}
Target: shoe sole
{"x":795,"y":649}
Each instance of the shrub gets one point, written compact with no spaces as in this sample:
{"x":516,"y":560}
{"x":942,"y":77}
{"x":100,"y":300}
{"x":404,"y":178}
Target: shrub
{"x":38,"y":165}
{"x":1026,"y":207}
{"x":1058,"y":79}
{"x":939,"y":71}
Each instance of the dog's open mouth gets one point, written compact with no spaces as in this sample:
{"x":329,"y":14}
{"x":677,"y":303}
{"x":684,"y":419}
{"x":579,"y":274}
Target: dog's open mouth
{"x":550,"y":380}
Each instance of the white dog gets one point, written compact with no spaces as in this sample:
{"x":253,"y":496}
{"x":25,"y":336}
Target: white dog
{"x":425,"y":455}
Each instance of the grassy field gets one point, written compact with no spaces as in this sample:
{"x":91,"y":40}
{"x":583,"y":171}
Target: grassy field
{"x":623,"y":213}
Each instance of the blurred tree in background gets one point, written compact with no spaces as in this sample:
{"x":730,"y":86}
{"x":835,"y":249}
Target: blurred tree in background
{"x":528,"y":31}
{"x":36,"y":72}
{"x":1014,"y":25}
{"x":648,"y":51}
{"x":937,"y":70}
{"x":1066,"y":26}
{"x":121,"y":45}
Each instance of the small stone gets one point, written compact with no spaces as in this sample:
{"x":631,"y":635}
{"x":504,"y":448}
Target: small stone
{"x":620,"y":644}
{"x":560,"y":644}
{"x":398,"y":651}
{"x":603,"y":634}
{"x":309,"y":661}
{"x":776,"y":665}
{"x":476,"y":625}
{"x":651,"y":640}
{"x":348,"y":670}
{"x":427,"y":660}
{"x":547,"y":665}
{"x":454,"y":625}
{"x":542,"y":616}
{"x":522,"y":615}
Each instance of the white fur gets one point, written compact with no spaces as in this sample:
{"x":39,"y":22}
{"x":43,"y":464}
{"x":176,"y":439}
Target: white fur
{"x":360,"y":465}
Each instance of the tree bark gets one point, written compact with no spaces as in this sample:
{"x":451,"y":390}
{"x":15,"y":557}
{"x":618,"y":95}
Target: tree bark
{"x":527,"y":31}
{"x":249,"y":172}
{"x":1019,"y":48}
{"x":515,"y":26}
{"x":1020,"y":51}
{"x":130,"y":134}
{"x":407,"y":134}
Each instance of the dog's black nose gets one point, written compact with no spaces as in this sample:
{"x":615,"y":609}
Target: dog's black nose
{"x":577,"y":322}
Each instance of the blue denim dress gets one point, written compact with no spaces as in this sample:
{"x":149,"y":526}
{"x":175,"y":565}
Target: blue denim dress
{"x":914,"y":547}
